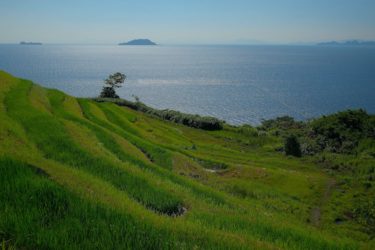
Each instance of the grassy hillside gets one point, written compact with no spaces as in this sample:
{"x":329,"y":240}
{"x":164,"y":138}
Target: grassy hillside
{"x":78,"y":174}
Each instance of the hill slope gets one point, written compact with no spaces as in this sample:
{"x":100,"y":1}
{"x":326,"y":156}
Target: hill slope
{"x":76,"y":174}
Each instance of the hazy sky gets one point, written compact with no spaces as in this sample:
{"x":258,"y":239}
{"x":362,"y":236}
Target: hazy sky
{"x":186,"y":21}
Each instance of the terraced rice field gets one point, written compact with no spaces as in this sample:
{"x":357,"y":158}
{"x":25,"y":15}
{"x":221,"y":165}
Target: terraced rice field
{"x":77,"y":174}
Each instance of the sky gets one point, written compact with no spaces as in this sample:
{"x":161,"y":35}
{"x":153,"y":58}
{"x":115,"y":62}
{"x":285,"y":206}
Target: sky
{"x":186,"y":21}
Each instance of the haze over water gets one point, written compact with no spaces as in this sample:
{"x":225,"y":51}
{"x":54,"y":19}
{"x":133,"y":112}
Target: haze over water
{"x":240,"y":84}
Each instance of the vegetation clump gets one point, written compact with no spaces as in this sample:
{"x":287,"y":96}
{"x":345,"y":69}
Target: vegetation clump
{"x":342,"y":132}
{"x":194,"y":121}
{"x":292,"y":146}
{"x":281,"y":123}
{"x":365,"y":214}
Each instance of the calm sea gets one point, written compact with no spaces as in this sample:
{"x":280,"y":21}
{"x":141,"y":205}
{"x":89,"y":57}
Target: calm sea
{"x":240,"y":84}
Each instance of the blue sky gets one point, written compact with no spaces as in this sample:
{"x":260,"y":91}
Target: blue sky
{"x":186,"y":21}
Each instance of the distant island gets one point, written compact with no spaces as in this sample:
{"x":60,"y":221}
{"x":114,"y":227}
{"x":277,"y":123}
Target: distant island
{"x":139,"y":42}
{"x":348,"y":43}
{"x":30,"y":43}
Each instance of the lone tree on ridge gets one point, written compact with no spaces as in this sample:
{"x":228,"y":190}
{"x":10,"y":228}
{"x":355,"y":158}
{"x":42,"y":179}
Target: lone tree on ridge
{"x":113,"y":81}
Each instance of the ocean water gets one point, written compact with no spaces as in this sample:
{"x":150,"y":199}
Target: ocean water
{"x":240,"y":84}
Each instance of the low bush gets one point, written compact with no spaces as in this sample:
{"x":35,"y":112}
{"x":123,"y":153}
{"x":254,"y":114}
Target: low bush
{"x":364,"y":213}
{"x":108,"y":92}
{"x":292,"y":146}
{"x":342,"y":132}
{"x":345,"y":132}
{"x":281,"y":123}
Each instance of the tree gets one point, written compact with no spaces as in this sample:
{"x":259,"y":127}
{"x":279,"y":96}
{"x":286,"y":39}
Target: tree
{"x":292,"y":146}
{"x":113,"y":81}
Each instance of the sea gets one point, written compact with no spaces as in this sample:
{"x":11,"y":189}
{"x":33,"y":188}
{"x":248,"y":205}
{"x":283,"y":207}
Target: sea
{"x":238,"y":84}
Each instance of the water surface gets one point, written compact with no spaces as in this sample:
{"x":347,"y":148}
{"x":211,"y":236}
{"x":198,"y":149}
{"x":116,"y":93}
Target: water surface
{"x":240,"y":84}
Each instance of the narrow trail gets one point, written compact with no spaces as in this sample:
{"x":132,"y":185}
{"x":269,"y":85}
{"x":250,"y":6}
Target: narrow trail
{"x":316,"y":212}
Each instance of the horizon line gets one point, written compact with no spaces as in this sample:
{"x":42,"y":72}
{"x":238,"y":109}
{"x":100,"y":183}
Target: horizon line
{"x":255,"y":43}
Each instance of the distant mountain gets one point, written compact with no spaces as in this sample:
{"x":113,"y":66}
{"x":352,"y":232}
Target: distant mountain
{"x":139,"y":42}
{"x":348,"y":43}
{"x":30,"y":43}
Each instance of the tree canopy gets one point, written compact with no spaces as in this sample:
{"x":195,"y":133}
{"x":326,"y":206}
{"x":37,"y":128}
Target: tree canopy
{"x":113,"y":81}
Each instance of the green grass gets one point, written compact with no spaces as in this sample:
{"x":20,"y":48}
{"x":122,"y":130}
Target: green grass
{"x":77,"y":174}
{"x":51,"y":139}
{"x":58,"y":219}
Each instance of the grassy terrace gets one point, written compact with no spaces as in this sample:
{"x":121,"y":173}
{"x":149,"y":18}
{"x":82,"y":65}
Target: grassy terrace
{"x":79,"y":174}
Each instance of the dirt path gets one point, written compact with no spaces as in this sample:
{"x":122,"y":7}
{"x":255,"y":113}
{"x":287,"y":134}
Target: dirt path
{"x":316,"y":213}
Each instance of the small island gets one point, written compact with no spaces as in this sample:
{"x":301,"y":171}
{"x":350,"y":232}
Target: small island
{"x":30,"y":43}
{"x":348,"y":43}
{"x":139,"y":42}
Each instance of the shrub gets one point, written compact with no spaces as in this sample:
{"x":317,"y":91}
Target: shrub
{"x":292,"y":146}
{"x":194,"y":121}
{"x":248,"y":130}
{"x":364,"y":213}
{"x":281,"y":123}
{"x":108,"y":92}
{"x":342,"y":132}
